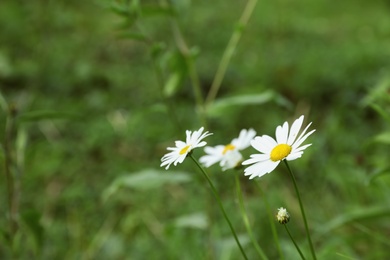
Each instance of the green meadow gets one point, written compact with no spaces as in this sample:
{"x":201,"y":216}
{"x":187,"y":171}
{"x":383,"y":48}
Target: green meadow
{"x":93,"y":92}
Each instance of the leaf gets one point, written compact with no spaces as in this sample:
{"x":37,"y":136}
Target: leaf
{"x":383,"y":138}
{"x":146,"y":180}
{"x":377,"y":174}
{"x":31,"y":218}
{"x":21,"y":144}
{"x":133,"y":36}
{"x":121,"y":10}
{"x":382,"y":112}
{"x":157,"y":10}
{"x":358,"y":215}
{"x":220,"y":105}
{"x":173,"y":84}
{"x":196,"y":220}
{"x":45,"y":114}
{"x":156,"y":49}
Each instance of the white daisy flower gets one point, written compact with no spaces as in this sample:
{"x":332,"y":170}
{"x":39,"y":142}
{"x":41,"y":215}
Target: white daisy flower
{"x":228,"y":155}
{"x":285,"y":147}
{"x":182,"y":149}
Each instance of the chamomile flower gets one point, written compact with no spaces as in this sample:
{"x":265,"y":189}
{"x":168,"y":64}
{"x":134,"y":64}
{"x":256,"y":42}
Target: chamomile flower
{"x":287,"y":146}
{"x":228,"y":155}
{"x":182,"y":149}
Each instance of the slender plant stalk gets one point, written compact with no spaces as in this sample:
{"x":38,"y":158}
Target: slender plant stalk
{"x":214,"y":190}
{"x":160,"y":79}
{"x":229,"y":51}
{"x":194,"y":77}
{"x":167,"y":101}
{"x":295,"y":244}
{"x":259,"y":251}
{"x":12,"y":198}
{"x":271,"y":218}
{"x":302,"y":210}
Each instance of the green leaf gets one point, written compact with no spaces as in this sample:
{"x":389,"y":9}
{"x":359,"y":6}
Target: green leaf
{"x":157,"y":49}
{"x":146,"y":180}
{"x":121,"y":10}
{"x":381,"y":111}
{"x":173,"y":84}
{"x":383,"y":138}
{"x":133,"y":36}
{"x":21,"y":144}
{"x":219,"y":106}
{"x":377,"y":174}
{"x":358,"y":215}
{"x":196,"y":220}
{"x":45,"y":114}
{"x":3,"y":103}
{"x":157,"y":10}
{"x":31,"y":219}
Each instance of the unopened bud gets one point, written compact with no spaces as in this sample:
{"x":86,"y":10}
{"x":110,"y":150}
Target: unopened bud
{"x":283,"y":217}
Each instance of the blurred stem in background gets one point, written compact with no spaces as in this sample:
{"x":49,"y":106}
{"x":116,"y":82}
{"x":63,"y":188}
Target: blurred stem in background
{"x":229,"y":51}
{"x":12,"y":183}
{"x":302,"y":210}
{"x":259,"y":251}
{"x":215,"y":193}
{"x":271,"y":220}
{"x":167,"y":100}
{"x":194,"y":77}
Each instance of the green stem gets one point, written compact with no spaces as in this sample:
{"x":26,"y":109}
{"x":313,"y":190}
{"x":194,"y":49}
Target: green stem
{"x":229,"y":51}
{"x":220,"y":205}
{"x":302,"y":210}
{"x":193,"y":74}
{"x":167,"y":101}
{"x":271,"y":218}
{"x":8,"y":162}
{"x":246,"y":220}
{"x":295,"y":244}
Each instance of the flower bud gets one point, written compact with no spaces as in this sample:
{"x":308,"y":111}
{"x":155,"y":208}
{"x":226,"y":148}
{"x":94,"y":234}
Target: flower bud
{"x":283,"y":217}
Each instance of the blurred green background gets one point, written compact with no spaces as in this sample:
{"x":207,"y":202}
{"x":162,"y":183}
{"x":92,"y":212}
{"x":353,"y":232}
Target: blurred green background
{"x":102,"y":87}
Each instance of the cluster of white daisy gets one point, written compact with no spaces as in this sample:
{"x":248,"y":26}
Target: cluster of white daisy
{"x":287,"y":146}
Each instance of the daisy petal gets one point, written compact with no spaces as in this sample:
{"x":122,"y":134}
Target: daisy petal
{"x":244,"y":139}
{"x":301,"y":139}
{"x":294,"y":156}
{"x":180,"y":152}
{"x":296,"y":126}
{"x":256,"y":158}
{"x":261,"y":168}
{"x":282,"y":133}
{"x":263,"y":144}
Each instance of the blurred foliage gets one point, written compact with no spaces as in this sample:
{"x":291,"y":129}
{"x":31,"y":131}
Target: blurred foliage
{"x":101,"y":88}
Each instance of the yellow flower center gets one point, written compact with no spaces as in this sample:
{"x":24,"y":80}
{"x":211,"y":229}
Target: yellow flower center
{"x":280,"y":152}
{"x":227,"y":148}
{"x":184,"y":150}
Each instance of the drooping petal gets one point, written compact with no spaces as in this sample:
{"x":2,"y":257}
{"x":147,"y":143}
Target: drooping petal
{"x":214,"y":155}
{"x":261,"y":168}
{"x":255,"y":158}
{"x":294,"y":156}
{"x":180,"y":159}
{"x":231,"y":160}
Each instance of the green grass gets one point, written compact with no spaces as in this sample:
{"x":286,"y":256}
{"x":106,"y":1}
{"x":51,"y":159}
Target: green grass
{"x":92,"y":112}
